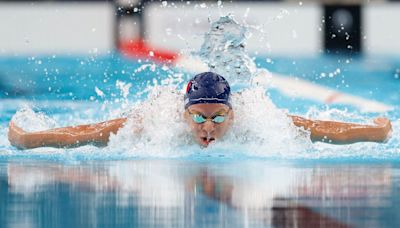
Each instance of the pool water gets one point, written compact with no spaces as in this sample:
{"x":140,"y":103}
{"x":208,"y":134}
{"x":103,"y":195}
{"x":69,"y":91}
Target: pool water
{"x":175,"y":193}
{"x":352,"y":185}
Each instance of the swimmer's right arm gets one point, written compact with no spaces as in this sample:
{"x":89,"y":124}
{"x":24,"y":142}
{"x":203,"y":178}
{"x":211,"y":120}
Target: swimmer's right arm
{"x":97,"y":134}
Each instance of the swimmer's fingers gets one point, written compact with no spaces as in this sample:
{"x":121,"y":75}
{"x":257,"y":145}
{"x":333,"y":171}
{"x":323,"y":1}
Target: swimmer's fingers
{"x":16,"y":128}
{"x":381,"y":121}
{"x":16,"y":135}
{"x":386,"y":126}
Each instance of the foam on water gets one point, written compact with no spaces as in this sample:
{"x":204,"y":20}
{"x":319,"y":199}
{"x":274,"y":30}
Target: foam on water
{"x":31,"y":121}
{"x":155,"y":127}
{"x":161,"y":129}
{"x":263,"y":128}
{"x":4,"y":143}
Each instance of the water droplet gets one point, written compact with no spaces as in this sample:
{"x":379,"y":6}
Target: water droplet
{"x":397,"y":74}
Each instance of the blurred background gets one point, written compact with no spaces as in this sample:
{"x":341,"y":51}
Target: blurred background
{"x":67,"y":48}
{"x":287,"y":27}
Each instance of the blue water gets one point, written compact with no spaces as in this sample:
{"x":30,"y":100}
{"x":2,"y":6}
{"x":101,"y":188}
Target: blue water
{"x":355,"y":185}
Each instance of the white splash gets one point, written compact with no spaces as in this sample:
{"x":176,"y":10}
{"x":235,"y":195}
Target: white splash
{"x":124,"y":88}
{"x":156,"y":126}
{"x":224,"y":51}
{"x":99,"y":92}
{"x":30,"y":121}
{"x":264,"y":129}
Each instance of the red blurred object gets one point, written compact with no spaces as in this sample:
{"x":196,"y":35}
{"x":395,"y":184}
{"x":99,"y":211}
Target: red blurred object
{"x":141,"y":50}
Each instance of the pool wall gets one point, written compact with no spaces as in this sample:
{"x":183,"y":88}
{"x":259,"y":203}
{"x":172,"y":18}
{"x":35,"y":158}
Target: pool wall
{"x":56,"y":28}
{"x":279,"y":28}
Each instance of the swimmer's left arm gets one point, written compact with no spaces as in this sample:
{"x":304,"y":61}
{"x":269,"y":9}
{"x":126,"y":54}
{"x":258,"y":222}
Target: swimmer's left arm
{"x":345,"y":133}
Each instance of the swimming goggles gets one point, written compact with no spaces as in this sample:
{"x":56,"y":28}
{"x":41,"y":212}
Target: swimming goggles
{"x":198,"y":118}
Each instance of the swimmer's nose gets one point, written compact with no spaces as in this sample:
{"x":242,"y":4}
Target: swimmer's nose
{"x":209,"y":127}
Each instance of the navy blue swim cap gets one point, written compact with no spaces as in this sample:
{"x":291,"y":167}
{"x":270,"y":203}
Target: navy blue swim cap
{"x":207,"y":87}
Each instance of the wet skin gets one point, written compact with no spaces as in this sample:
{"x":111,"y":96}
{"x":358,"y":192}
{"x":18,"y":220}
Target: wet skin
{"x":208,"y":132}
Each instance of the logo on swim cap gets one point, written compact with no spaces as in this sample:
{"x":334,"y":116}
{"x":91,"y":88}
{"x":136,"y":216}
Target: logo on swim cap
{"x":188,"y":87}
{"x":207,"y":87}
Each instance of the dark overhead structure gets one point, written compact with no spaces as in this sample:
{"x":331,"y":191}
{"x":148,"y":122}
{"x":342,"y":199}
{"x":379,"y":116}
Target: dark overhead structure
{"x":343,"y":25}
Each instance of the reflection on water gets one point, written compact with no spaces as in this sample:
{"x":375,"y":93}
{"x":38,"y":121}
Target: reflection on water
{"x":197,"y":194}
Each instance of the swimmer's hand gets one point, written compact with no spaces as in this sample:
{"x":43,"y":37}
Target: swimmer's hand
{"x":97,"y":134}
{"x":16,"y":136}
{"x":385,"y":129}
{"x":346,"y":133}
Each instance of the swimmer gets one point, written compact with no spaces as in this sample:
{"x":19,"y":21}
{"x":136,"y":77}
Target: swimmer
{"x":208,"y":113}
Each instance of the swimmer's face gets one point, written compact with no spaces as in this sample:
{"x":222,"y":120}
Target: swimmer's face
{"x":209,"y":131}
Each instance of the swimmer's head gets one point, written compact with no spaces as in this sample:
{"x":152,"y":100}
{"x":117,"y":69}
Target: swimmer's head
{"x":207,"y":88}
{"x":207,"y":107}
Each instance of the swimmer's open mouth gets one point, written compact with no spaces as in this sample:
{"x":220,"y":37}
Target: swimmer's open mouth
{"x":206,"y":140}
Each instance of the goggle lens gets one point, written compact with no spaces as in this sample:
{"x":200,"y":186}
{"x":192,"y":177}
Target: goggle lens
{"x":198,"y":118}
{"x":201,"y":119}
{"x":218,"y":119}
